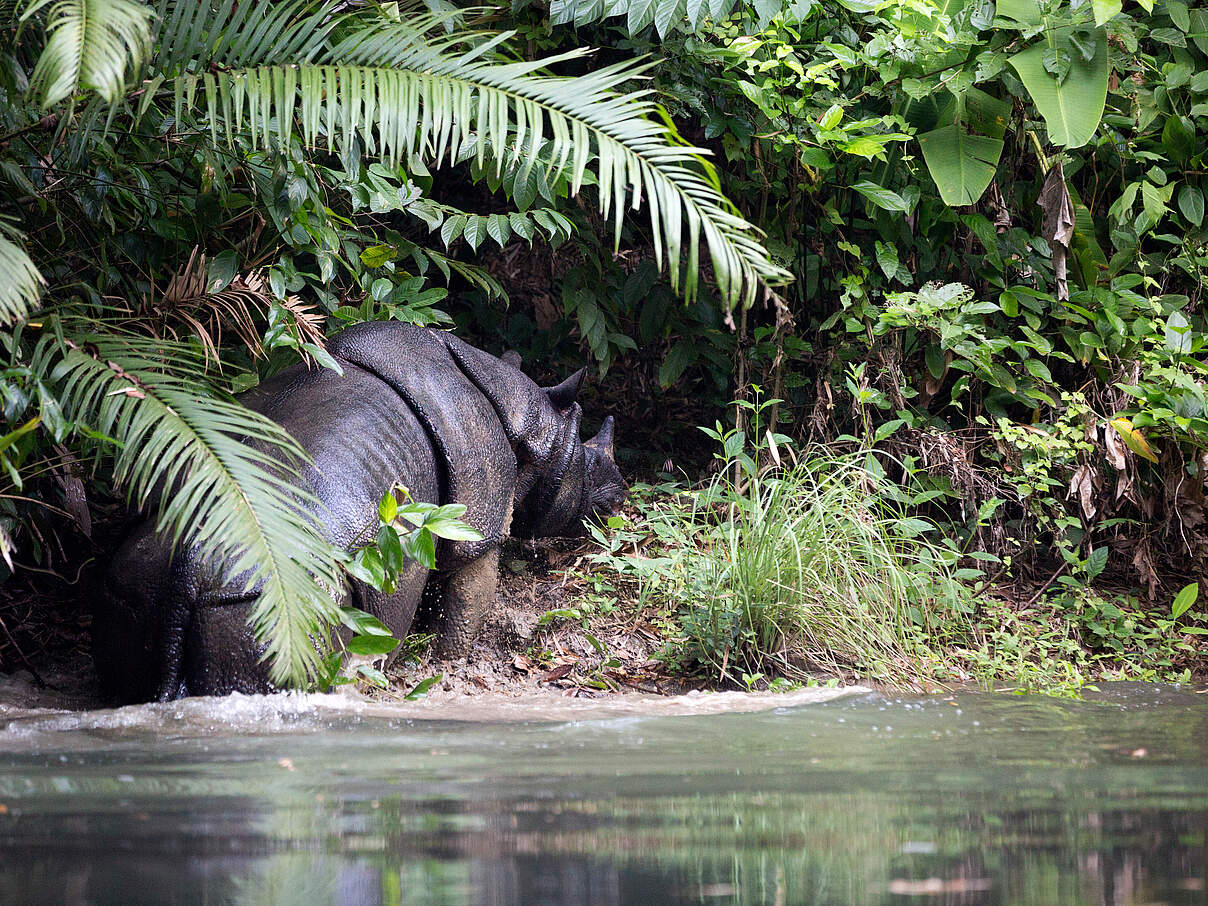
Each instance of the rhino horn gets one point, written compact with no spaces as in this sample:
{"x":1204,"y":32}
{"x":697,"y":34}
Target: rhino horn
{"x":564,"y":395}
{"x":511,"y":357}
{"x":603,"y":438}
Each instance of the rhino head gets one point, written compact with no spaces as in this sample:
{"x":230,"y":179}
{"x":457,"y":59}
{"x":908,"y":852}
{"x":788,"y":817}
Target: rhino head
{"x":570,"y":480}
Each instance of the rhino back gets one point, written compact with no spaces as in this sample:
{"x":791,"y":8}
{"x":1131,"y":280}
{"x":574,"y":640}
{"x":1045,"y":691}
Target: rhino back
{"x":475,"y":456}
{"x":362,"y":438}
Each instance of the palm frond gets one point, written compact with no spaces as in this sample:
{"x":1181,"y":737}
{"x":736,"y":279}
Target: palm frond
{"x":218,"y":489}
{"x":90,"y":44}
{"x":404,"y":93}
{"x":20,"y":281}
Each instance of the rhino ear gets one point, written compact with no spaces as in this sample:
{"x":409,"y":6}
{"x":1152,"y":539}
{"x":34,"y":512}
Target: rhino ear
{"x":511,"y":357}
{"x":603,"y":439}
{"x":564,"y":395}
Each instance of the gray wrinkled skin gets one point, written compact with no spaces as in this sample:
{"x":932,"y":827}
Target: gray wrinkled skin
{"x":416,"y":407}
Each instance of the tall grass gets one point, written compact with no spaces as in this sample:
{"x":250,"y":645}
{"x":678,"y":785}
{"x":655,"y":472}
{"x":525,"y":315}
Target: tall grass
{"x":801,"y":568}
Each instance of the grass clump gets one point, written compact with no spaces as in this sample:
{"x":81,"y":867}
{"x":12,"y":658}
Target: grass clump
{"x":790,"y":564}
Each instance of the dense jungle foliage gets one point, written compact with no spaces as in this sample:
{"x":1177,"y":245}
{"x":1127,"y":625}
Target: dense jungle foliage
{"x":964,"y":244}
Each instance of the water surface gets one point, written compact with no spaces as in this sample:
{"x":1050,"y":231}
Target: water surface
{"x":859,"y":800}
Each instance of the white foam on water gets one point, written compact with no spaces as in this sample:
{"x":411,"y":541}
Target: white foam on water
{"x":295,"y":712}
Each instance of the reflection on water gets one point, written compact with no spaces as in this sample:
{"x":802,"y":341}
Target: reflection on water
{"x":981,"y":799}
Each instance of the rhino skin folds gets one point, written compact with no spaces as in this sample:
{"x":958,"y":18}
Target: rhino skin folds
{"x":414,"y":406}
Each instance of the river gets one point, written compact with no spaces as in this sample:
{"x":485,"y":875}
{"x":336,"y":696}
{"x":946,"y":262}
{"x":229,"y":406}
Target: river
{"x":833,"y":798}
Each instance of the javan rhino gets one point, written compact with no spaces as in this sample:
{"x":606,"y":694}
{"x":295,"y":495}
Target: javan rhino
{"x":414,"y":406}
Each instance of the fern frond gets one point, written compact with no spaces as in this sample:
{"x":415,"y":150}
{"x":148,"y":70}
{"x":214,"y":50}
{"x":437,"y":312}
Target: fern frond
{"x":402,"y":94}
{"x":226,"y":479}
{"x":90,"y":44}
{"x":20,"y":281}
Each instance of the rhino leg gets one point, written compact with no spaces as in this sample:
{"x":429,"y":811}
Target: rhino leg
{"x":224,"y":628}
{"x":465,"y":601}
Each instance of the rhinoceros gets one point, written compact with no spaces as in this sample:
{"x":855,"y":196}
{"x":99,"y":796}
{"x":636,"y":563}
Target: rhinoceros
{"x":413,"y":406}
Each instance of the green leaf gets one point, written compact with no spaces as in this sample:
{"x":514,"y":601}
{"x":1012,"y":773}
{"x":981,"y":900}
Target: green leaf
{"x":421,"y":547}
{"x":499,"y":229}
{"x":221,"y":271}
{"x":388,"y":508}
{"x":475,"y":231}
{"x":20,"y":281}
{"x":373,"y":675}
{"x":388,"y":86}
{"x":1096,"y":561}
{"x":1105,"y":9}
{"x":1025,"y":11}
{"x":380,"y":289}
{"x":830,"y":119}
{"x":90,"y":45}
{"x":377,"y":255}
{"x":453,"y":530}
{"x":1184,"y":600}
{"x":641,"y":14}
{"x":1072,"y":108}
{"x":961,"y":164}
{"x":1178,"y":138}
{"x":421,"y":688}
{"x":1154,"y":199}
{"x":1179,"y":15}
{"x":937,"y":361}
{"x":372,"y":645}
{"x":1191,"y":204}
{"x":362,"y":623}
{"x":1177,"y":335}
{"x":883,"y":198}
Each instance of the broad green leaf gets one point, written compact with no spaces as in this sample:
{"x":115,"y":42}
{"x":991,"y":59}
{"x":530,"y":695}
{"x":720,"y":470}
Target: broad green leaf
{"x":641,"y":14}
{"x":961,"y":164}
{"x":1025,"y":11}
{"x":1184,"y":600}
{"x":667,"y":12}
{"x":830,"y":119}
{"x":1105,"y":9}
{"x":1155,"y":200}
{"x":1179,"y":15}
{"x":1191,"y":204}
{"x":362,"y":623}
{"x":1073,"y":108}
{"x":1177,"y":335}
{"x":372,"y":645}
{"x":883,"y":198}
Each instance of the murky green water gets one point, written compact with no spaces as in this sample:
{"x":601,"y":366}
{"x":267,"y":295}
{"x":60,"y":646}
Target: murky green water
{"x":981,"y":799}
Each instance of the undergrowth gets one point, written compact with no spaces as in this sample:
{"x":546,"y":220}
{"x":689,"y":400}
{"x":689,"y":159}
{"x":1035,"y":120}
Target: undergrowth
{"x":797,"y":563}
{"x":807,"y":562}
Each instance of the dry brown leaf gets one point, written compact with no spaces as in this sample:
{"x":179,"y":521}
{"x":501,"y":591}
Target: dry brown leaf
{"x":1058,"y":228}
{"x":520,"y":662}
{"x":557,"y":673}
{"x":1115,"y":450}
{"x":1083,"y":484}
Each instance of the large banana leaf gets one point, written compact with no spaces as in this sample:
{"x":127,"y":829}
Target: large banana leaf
{"x":1071,"y":108}
{"x":961,"y":164}
{"x":963,"y":157}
